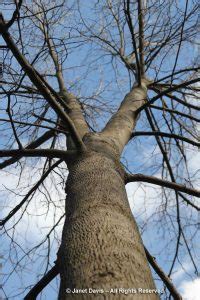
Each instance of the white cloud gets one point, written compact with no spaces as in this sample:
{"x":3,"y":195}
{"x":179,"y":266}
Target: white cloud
{"x":191,"y":289}
{"x":143,"y":198}
{"x":41,"y":214}
{"x":181,"y":271}
{"x":188,"y":288}
{"x":193,"y":159}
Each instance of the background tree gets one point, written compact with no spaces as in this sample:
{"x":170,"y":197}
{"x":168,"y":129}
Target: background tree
{"x":65,"y":68}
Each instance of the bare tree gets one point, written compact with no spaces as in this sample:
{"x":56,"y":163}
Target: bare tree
{"x":89,"y":91}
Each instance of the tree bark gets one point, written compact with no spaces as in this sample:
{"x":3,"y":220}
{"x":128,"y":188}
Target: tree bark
{"x":101,"y":245}
{"x":120,"y":127}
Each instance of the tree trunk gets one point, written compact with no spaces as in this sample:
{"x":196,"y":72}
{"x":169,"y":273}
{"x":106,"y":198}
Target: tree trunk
{"x":101,"y":245}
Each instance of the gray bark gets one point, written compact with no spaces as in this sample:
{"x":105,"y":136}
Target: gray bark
{"x":101,"y":245}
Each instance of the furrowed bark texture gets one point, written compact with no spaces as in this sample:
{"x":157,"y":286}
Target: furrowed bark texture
{"x":101,"y":245}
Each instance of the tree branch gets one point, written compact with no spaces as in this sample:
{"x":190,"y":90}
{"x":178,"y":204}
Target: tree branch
{"x":169,"y":95}
{"x":131,"y":28}
{"x":42,"y":283}
{"x":163,"y":183}
{"x":141,"y":36}
{"x":50,"y":153}
{"x":122,"y":123}
{"x":72,"y":105}
{"x":15,"y":14}
{"x":195,"y":69}
{"x":36,"y":125}
{"x":42,"y":139}
{"x":165,"y":134}
{"x":163,"y":276}
{"x":167,"y":91}
{"x":177,"y":112}
{"x":40,"y":84}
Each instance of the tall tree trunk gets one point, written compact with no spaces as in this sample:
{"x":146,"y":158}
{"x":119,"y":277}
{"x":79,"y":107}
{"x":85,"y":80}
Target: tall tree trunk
{"x":101,"y":245}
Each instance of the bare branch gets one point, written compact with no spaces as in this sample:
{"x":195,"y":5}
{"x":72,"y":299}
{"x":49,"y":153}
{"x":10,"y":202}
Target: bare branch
{"x":173,"y":111}
{"x":166,"y":280}
{"x":38,"y":142}
{"x":16,"y":13}
{"x":195,"y":69}
{"x":141,"y":36}
{"x":165,"y":134}
{"x":131,"y":28}
{"x":163,"y":183}
{"x":37,"y":125}
{"x":50,"y":153}
{"x":42,"y":283}
{"x":33,"y":75}
{"x":167,"y":91}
